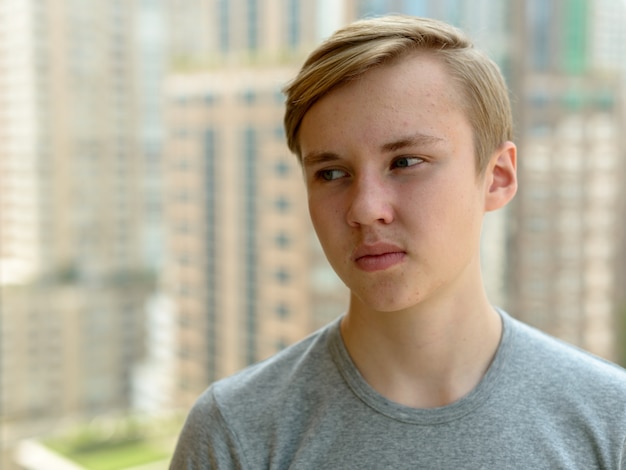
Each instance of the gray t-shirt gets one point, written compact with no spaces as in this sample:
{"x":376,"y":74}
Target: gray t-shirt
{"x":542,"y":405}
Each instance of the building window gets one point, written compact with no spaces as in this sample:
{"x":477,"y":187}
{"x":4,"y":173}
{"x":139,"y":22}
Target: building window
{"x":250,"y":159}
{"x":283,"y":276}
{"x":282,"y":240}
{"x":293,"y":23}
{"x":182,"y":226}
{"x":541,"y":17}
{"x":281,"y":168}
{"x":279,"y":97}
{"x":224,"y":25}
{"x":279,"y":132}
{"x":249,"y":97}
{"x":183,"y":196}
{"x":282,"y":204}
{"x":210,"y":183}
{"x":253,"y":24}
{"x":282,"y":310}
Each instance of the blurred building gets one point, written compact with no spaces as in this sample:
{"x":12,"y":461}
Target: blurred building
{"x":607,"y":41}
{"x":566,"y":249}
{"x":152,"y":61}
{"x":147,"y":134}
{"x":67,"y":353}
{"x":69,"y":145}
{"x":243,"y":269}
{"x":219,"y":32}
{"x":71,"y":273}
{"x":237,"y":249}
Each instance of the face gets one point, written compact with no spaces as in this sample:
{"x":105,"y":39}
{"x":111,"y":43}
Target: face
{"x":392,"y":187}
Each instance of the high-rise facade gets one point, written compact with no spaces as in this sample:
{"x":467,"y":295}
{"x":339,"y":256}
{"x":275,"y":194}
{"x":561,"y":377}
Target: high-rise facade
{"x":218,"y":32}
{"x":567,"y":236}
{"x":71,"y":274}
{"x":69,"y":146}
{"x":152,"y":61}
{"x":242,"y":268}
{"x":238,"y":238}
{"x":101,"y":167}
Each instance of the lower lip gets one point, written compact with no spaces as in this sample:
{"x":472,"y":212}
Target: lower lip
{"x":380,"y":262}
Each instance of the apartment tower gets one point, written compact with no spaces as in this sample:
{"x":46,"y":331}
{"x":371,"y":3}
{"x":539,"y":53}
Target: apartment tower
{"x":243,"y":269}
{"x":71,"y":279}
{"x":566,"y":248}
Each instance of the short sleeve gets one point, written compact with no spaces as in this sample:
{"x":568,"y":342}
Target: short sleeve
{"x":205,"y":441}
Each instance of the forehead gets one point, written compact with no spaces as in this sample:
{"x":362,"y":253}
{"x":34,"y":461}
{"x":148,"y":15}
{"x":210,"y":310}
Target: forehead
{"x":414,"y":93}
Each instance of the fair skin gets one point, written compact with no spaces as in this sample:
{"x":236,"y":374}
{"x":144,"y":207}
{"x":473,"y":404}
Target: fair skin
{"x":398,"y":207}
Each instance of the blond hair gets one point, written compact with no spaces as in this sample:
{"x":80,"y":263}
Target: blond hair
{"x":353,"y":50}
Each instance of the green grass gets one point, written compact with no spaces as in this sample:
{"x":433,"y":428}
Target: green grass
{"x":116,"y":456}
{"x":110,"y":442}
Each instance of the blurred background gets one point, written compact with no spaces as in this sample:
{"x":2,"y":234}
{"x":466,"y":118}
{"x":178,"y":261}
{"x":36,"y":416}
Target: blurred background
{"x":154,"y":235}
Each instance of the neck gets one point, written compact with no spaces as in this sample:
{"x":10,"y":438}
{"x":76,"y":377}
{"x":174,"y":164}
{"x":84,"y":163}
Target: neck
{"x":428,"y":356}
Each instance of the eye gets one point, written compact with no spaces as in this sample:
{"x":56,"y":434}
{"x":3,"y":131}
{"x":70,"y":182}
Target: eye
{"x":331,"y":174}
{"x":405,"y":162}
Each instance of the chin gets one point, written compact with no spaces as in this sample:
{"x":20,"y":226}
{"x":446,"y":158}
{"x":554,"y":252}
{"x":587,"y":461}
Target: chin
{"x":386,"y":305}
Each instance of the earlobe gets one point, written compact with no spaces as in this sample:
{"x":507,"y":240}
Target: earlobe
{"x":501,"y":177}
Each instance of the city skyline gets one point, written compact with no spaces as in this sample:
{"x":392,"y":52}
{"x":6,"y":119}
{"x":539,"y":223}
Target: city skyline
{"x":154,"y":234}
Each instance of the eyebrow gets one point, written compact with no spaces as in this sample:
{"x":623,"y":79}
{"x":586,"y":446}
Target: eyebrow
{"x":316,"y":158}
{"x":410,"y":141}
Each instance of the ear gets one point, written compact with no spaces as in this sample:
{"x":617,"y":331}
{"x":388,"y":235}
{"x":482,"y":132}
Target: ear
{"x":500,"y":180}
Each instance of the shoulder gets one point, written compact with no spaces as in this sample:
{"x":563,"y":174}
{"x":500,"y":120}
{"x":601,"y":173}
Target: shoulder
{"x":259,"y":392}
{"x":554,"y":362}
{"x":289,"y":368}
{"x":566,"y":392}
{"x":234,"y":418}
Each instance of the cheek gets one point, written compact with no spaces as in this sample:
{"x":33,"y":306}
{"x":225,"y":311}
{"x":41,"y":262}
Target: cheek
{"x":325,"y":207}
{"x":450,"y":210}
{"x":323,"y":218}
{"x":465,"y":220}
{"x":314,"y":210}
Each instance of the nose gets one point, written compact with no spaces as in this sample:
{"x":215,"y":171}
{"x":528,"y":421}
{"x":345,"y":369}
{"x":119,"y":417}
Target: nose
{"x":370,"y":202}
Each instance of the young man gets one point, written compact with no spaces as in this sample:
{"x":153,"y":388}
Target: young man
{"x":403,"y":131}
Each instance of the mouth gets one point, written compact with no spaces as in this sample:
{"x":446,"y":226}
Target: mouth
{"x":378,"y":257}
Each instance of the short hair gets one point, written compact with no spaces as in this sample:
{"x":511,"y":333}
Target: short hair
{"x":358,"y":47}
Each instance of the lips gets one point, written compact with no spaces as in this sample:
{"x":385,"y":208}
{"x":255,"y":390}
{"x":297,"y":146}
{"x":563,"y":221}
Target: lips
{"x":378,"y":256}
